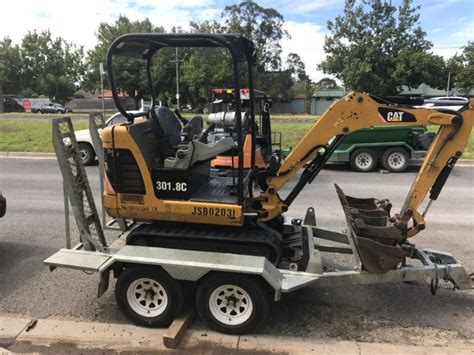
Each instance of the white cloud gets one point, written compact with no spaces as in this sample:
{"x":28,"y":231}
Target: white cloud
{"x":209,"y":14}
{"x":301,"y":7}
{"x":439,"y":5}
{"x":307,"y":41}
{"x":311,"y":5}
{"x":77,"y":21}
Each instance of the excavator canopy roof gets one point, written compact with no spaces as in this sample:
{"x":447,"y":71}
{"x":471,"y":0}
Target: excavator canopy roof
{"x":145,"y":45}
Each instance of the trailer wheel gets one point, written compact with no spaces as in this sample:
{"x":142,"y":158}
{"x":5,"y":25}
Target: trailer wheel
{"x":363,"y":160}
{"x":395,"y":160}
{"x":231,"y":303}
{"x":148,"y":296}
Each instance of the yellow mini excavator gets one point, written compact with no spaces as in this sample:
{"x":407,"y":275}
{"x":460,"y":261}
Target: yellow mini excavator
{"x":158,"y":169}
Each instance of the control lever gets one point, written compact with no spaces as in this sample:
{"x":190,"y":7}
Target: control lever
{"x":183,"y":120}
{"x":205,"y":133}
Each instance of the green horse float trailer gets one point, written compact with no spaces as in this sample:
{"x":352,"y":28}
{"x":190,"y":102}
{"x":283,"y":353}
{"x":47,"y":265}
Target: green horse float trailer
{"x":391,"y":147}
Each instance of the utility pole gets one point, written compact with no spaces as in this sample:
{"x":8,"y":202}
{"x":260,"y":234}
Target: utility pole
{"x":177,"y":61}
{"x":101,"y":71}
{"x":1,"y":96}
{"x":449,"y":79}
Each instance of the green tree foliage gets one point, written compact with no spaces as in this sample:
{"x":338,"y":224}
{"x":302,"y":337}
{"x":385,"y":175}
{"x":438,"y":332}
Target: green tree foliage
{"x":10,"y":70}
{"x":302,"y":84}
{"x":51,"y":66}
{"x":209,"y":68}
{"x":461,"y":68}
{"x":42,"y":65}
{"x":296,"y":66}
{"x":276,"y":84}
{"x":377,"y":47}
{"x":264,"y":26}
{"x":326,"y":83}
{"x":202,"y":69}
{"x":129,"y":74}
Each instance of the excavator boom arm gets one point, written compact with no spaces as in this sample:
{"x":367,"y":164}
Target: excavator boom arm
{"x":359,"y":110}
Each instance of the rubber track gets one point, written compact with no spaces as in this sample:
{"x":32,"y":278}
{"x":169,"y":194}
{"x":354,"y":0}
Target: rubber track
{"x":251,"y":240}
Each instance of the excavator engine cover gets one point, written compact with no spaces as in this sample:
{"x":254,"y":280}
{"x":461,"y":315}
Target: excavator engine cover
{"x":375,"y":237}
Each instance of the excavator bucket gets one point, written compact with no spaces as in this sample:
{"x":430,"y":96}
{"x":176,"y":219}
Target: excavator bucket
{"x":375,"y":237}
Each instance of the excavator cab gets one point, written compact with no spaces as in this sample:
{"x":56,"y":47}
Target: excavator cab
{"x":159,"y":168}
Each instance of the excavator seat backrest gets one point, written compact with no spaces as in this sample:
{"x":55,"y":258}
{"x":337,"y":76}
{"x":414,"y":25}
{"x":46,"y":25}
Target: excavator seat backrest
{"x":193,"y":129}
{"x":166,"y":130}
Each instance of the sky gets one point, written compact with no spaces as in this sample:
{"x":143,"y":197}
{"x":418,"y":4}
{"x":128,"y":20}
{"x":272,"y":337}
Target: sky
{"x":449,"y":24}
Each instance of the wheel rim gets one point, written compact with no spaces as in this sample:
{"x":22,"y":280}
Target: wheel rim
{"x":84,"y":154}
{"x":396,"y":160}
{"x":230,"y":305}
{"x":147,"y":297}
{"x":363,"y":161}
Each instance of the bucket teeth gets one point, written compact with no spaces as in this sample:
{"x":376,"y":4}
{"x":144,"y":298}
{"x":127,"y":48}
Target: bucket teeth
{"x":376,"y":238}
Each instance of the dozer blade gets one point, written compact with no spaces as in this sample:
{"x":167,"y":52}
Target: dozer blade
{"x":375,"y":237}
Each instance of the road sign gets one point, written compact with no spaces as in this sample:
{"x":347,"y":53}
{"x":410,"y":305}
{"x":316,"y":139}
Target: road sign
{"x":26,"y":104}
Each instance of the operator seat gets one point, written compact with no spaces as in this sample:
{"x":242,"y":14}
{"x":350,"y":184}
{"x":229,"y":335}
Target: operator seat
{"x":166,"y":130}
{"x":172,"y":151}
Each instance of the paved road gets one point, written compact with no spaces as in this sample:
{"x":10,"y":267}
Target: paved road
{"x":33,"y":229}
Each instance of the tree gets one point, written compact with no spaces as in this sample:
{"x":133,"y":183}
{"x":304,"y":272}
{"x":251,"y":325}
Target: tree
{"x":50,"y":66}
{"x":461,"y":68}
{"x":10,"y":67}
{"x":207,"y":68}
{"x":264,"y":26}
{"x":327,"y":83}
{"x":130,"y":74}
{"x":377,"y":48}
{"x":276,"y":84}
{"x":297,"y":67}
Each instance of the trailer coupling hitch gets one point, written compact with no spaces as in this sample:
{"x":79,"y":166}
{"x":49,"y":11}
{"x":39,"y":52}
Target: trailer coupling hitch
{"x":374,"y":233}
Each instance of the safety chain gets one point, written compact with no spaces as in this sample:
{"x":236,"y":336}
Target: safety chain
{"x":435,"y":281}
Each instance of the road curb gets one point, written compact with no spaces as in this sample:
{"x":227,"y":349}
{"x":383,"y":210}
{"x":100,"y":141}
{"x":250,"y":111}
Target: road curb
{"x":28,"y":155}
{"x":44,"y":334}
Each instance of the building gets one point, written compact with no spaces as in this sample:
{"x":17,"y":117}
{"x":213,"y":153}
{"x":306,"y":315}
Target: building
{"x":323,"y":98}
{"x":298,"y":104}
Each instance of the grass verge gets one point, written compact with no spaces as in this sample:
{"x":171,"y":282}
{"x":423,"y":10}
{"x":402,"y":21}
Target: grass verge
{"x":20,"y":115}
{"x":28,"y":136}
{"x":35,"y":136}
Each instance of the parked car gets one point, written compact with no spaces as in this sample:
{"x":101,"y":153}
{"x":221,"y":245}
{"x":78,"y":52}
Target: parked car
{"x":392,"y":147}
{"x":49,"y":107}
{"x":3,"y":205}
{"x":11,"y":105}
{"x":84,"y":139}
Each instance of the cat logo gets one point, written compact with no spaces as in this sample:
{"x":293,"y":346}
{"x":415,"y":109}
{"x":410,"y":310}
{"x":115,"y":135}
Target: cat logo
{"x":390,"y":115}
{"x":395,"y":116}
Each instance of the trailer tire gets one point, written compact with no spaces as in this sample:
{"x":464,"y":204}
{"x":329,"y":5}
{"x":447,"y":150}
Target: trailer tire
{"x":148,"y":296}
{"x":247,"y":310}
{"x":363,"y":160}
{"x":395,"y":160}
